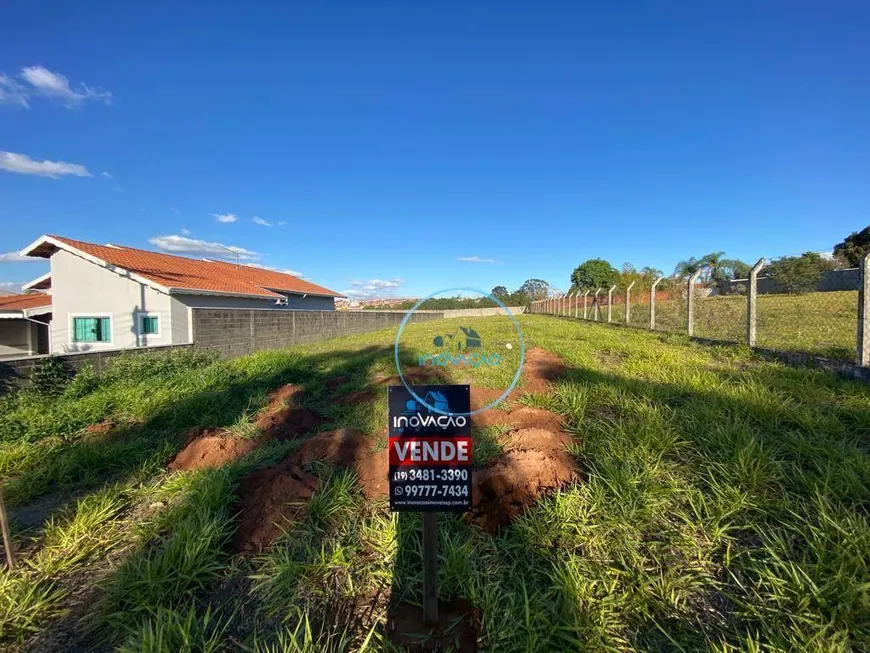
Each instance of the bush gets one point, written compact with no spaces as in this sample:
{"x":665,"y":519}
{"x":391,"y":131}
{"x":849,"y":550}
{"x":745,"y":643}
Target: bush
{"x":797,"y":275}
{"x":134,"y":367}
{"x":50,"y":376}
{"x":84,"y":383}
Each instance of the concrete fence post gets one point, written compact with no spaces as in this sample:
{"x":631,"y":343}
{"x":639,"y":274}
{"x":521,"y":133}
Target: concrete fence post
{"x":565,"y":303}
{"x":595,"y":307}
{"x":610,"y":303}
{"x":572,"y":299}
{"x":752,"y":302}
{"x":576,"y":304}
{"x":652,"y":304}
{"x":628,"y":302}
{"x":585,"y":305}
{"x":690,"y":302}
{"x":864,"y":313}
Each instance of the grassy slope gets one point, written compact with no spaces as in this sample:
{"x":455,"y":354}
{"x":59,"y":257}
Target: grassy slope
{"x":725,"y":507}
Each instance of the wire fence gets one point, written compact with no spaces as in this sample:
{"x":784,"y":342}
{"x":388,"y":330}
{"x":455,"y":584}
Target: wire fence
{"x":829,"y":318}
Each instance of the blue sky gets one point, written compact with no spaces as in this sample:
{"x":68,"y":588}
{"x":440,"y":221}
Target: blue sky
{"x":385,"y":141}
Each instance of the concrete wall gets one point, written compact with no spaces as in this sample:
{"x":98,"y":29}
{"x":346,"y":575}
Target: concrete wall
{"x":17,"y":338}
{"x":240,"y":332}
{"x":482,"y":312}
{"x":82,"y":288}
{"x":829,"y":281}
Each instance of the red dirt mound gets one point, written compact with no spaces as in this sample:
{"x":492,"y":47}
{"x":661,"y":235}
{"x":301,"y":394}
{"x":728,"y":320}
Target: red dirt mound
{"x":514,"y":481}
{"x":349,"y":448}
{"x":269,"y":500}
{"x":335,"y":382}
{"x":540,"y":369}
{"x":456,"y":630}
{"x":273,"y":497}
{"x":206,"y":449}
{"x":520,"y":418}
{"x":280,"y":420}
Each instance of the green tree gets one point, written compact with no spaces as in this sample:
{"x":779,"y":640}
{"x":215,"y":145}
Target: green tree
{"x":798,"y":274}
{"x":499,"y":292}
{"x":688,"y":267}
{"x":594,"y":273}
{"x":854,"y":247}
{"x":535,"y":289}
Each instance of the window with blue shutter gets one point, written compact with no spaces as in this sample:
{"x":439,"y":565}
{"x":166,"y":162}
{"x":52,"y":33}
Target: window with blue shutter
{"x":92,"y":329}
{"x":150,"y":324}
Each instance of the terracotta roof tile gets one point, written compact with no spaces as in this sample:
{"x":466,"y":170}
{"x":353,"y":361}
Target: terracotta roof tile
{"x":24,"y":302}
{"x":178,"y":272}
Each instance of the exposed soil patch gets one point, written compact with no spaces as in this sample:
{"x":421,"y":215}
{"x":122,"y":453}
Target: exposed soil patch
{"x":269,"y":499}
{"x":101,"y":427}
{"x":272,"y":498}
{"x":520,"y":418}
{"x":208,"y":449}
{"x":456,"y":630}
{"x":364,"y":396}
{"x":335,"y":382}
{"x":541,"y":368}
{"x":516,"y":480}
{"x":353,"y":449}
{"x":281,"y":420}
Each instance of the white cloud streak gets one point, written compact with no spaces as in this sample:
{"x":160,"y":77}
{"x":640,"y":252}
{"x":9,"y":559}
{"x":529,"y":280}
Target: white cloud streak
{"x":475,"y":259}
{"x":225,"y":218}
{"x":106,"y":175}
{"x":373,"y":288}
{"x":175,"y":244}
{"x":11,"y":92}
{"x":13,"y":287}
{"x":281,"y":270}
{"x":261,"y":222}
{"x":24,"y":165}
{"x":15,"y":257}
{"x":55,"y":86}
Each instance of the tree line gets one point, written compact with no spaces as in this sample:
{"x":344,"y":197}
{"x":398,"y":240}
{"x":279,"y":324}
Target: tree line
{"x":793,"y":274}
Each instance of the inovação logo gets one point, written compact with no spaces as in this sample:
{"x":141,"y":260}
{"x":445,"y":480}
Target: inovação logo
{"x":482,"y":346}
{"x":458,"y":348}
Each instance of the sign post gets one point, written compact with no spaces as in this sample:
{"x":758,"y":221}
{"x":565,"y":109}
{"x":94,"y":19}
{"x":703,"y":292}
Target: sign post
{"x":430,"y":465}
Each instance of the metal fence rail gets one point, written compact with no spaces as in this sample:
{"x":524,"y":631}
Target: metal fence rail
{"x":831,"y":324}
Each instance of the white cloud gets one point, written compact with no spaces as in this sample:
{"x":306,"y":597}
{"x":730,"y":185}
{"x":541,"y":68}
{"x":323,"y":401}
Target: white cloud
{"x":261,"y":222}
{"x":11,"y":92}
{"x":226,"y":218}
{"x":106,"y":175}
{"x":57,"y":87}
{"x":185,"y":232}
{"x":15,"y":257}
{"x":23,"y":164}
{"x":192,"y":247}
{"x":281,"y":270}
{"x":373,"y":287}
{"x":475,"y":259}
{"x":282,"y":223}
{"x":10,"y":286}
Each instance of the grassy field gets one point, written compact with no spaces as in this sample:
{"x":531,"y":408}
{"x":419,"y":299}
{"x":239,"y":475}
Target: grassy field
{"x":723,"y":506}
{"x":821,"y":323}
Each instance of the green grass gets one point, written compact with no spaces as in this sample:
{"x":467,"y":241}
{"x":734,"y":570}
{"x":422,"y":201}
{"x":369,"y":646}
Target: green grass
{"x":724,"y":506}
{"x":821,"y":323}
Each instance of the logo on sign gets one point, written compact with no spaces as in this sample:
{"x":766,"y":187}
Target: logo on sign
{"x":459,"y":349}
{"x":416,"y":416}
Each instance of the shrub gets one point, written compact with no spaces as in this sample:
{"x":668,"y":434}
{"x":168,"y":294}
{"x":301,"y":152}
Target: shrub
{"x":134,"y":367}
{"x":798,"y":274}
{"x":84,"y":383}
{"x":50,"y":376}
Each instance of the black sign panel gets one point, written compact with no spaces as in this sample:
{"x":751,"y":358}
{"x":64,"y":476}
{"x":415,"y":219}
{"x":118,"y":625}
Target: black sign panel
{"x":430,"y":450}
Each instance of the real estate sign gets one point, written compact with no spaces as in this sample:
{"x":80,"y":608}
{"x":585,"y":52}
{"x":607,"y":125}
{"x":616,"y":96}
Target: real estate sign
{"x":430,"y":448}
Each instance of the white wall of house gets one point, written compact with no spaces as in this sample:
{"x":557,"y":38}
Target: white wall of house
{"x":17,"y":338}
{"x":84,"y":289}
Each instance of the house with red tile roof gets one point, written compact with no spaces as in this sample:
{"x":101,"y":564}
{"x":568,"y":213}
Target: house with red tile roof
{"x":113,"y":296}
{"x":24,"y":321}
